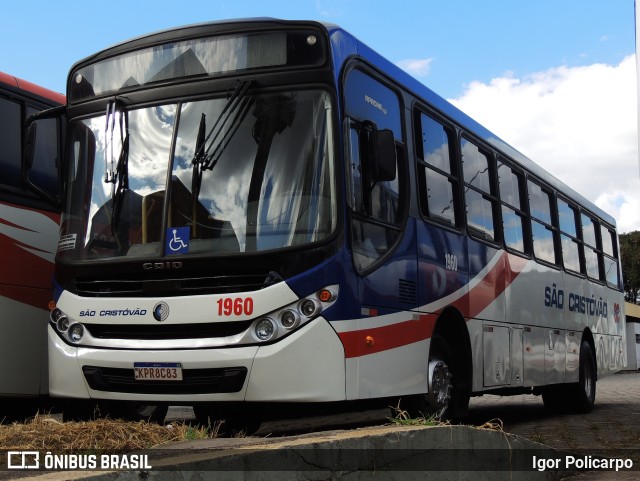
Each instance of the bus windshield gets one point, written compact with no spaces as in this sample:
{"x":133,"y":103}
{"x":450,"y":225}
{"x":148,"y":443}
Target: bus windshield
{"x":247,"y":173}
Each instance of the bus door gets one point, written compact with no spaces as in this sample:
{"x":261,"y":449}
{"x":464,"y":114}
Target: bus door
{"x":382,"y":243}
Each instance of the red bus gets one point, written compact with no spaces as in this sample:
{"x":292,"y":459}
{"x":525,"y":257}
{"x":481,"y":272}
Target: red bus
{"x":28,"y":240}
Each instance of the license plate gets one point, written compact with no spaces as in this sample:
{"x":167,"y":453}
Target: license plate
{"x":157,"y":371}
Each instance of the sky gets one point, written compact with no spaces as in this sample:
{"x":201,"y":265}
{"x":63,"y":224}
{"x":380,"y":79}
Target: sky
{"x":554,"y":78}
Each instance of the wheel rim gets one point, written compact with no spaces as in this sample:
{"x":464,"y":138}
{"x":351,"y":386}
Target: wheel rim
{"x":439,"y":387}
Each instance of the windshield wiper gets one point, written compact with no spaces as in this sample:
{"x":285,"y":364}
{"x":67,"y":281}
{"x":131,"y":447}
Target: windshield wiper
{"x":209,"y":148}
{"x":118,"y":175}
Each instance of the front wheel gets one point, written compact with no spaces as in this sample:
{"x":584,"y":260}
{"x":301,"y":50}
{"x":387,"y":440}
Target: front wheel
{"x":445,"y":398}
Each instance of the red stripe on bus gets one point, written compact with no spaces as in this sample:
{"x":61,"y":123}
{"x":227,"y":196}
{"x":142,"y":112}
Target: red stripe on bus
{"x":378,"y":339}
{"x":369,"y":341}
{"x":35,"y":297}
{"x":494,"y":283}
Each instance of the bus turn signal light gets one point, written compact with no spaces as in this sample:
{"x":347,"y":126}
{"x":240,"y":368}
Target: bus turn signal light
{"x":325,"y":295}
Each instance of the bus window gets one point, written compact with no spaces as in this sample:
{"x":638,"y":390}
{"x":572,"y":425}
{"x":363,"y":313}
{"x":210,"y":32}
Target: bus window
{"x":44,"y":171}
{"x":512,"y":214}
{"x":478,"y":194}
{"x":10,"y":139}
{"x":375,"y":225}
{"x":438,"y":183}
{"x":542,"y":230}
{"x":568,"y":239}
{"x":610,"y":262}
{"x":591,"y":255}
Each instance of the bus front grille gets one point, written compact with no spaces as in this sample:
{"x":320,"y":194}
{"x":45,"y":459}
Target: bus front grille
{"x":194,"y":381}
{"x":167,"y":331}
{"x":172,"y":287}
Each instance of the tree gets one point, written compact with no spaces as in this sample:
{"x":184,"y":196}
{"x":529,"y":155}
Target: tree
{"x":630,"y":257}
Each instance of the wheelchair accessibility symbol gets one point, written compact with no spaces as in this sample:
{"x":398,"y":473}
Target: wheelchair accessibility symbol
{"x":177,"y":240}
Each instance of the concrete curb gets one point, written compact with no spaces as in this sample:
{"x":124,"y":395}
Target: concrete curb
{"x":386,"y":452}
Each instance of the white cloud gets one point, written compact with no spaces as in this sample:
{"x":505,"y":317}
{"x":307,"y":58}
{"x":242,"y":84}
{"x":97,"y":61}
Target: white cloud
{"x":415,"y":66}
{"x":328,"y":9}
{"x":579,"y":123}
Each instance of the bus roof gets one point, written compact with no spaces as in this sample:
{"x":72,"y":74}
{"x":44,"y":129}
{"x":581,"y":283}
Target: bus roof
{"x":345,"y":45}
{"x":342,"y":38}
{"x":31,"y":88}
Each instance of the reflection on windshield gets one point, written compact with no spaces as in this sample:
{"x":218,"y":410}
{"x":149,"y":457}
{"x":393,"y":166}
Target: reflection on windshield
{"x":271,"y":184}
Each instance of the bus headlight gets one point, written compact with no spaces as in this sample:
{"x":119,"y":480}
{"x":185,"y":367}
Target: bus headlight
{"x":308,"y":307}
{"x":55,"y":314}
{"x":287,"y":319}
{"x":265,"y":329}
{"x":62,"y":323}
{"x":75,"y":333}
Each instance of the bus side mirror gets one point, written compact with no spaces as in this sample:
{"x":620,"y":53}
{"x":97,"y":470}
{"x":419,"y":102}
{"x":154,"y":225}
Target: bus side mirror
{"x":382,"y":156}
{"x":42,"y":153}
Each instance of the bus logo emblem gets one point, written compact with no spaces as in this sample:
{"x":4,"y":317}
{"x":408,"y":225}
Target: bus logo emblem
{"x":161,"y":311}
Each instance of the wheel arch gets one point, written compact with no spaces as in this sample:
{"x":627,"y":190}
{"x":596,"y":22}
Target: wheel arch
{"x":452,"y":327}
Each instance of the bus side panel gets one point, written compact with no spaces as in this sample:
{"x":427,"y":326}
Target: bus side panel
{"x":393,"y":284}
{"x":23,"y":343}
{"x":442,"y":267}
{"x":392,"y":350}
{"x":28,"y":240}
{"x":537,"y":301}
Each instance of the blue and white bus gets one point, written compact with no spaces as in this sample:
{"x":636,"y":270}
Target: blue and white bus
{"x":265,"y":212}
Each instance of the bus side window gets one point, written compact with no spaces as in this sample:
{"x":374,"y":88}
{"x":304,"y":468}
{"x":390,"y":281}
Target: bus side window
{"x":10,"y":140}
{"x":609,"y":248}
{"x":510,"y":187}
{"x":591,"y":254}
{"x":44,"y":171}
{"x":377,"y":207}
{"x":479,"y":195}
{"x":543,"y":232}
{"x":377,"y":211}
{"x":439,"y":185}
{"x":569,"y":236}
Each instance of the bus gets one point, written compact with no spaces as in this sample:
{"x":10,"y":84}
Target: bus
{"x":264,"y":213}
{"x":28,"y":241}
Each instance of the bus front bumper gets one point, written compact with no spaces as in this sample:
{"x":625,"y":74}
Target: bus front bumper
{"x":306,"y":366}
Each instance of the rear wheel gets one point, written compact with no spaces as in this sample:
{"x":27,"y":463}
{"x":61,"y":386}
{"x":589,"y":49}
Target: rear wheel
{"x":583,"y":394}
{"x":576,"y":397}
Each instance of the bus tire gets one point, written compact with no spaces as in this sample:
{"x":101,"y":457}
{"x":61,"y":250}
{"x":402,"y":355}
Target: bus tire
{"x":582,"y":395}
{"x":579,"y":397}
{"x":555,"y":398}
{"x":444,"y":400}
